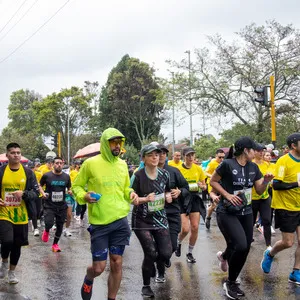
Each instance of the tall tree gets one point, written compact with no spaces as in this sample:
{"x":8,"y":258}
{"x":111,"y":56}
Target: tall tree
{"x":130,"y":101}
{"x":227,"y":74}
{"x":67,"y":112}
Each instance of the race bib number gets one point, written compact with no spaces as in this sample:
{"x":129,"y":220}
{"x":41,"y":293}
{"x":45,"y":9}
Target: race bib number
{"x":248,"y":194}
{"x":57,"y":196}
{"x":10,"y":200}
{"x":157,"y":204}
{"x":193,"y":187}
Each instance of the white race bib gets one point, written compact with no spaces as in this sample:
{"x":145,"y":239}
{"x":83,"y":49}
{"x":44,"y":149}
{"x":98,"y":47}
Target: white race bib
{"x":193,"y":187}
{"x":10,"y":200}
{"x":248,"y":194}
{"x":157,"y":204}
{"x":57,"y":196}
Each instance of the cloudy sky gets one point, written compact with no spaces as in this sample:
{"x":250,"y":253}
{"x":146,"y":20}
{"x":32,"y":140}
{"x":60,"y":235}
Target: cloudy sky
{"x":80,"y":40}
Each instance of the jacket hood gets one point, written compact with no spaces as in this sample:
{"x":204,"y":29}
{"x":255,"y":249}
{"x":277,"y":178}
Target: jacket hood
{"x":104,"y":143}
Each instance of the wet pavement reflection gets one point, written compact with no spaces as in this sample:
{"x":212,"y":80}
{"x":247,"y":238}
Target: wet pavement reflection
{"x":45,"y":275}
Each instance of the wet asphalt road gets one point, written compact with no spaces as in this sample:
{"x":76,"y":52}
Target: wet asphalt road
{"x":45,"y":275}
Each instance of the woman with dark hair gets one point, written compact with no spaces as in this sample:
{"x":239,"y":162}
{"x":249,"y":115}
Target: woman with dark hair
{"x":149,"y":219}
{"x":233,"y":180}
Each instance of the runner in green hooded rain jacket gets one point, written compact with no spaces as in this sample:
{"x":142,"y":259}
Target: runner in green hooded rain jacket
{"x":107,"y":175}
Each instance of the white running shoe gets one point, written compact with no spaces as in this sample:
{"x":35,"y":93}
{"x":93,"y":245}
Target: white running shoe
{"x":67,"y":232}
{"x":38,"y":223}
{"x":36,"y":232}
{"x":3,"y":270}
{"x":12,"y":279}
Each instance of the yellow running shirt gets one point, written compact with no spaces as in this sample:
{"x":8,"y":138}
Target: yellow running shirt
{"x":287,"y":169}
{"x":73,"y":175}
{"x":172,"y":163}
{"x":264,"y":169}
{"x":211,"y":167}
{"x":192,"y":176}
{"x":13,"y":211}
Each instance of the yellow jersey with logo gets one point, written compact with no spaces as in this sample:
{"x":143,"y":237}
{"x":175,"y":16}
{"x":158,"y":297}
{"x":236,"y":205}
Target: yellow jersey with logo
{"x":44,"y":169}
{"x":211,"y":167}
{"x":38,"y":174}
{"x":264,"y":169}
{"x":192,"y":175}
{"x":14,"y":211}
{"x":172,"y":163}
{"x":287,"y":169}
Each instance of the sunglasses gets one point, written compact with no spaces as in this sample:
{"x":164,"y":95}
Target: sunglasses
{"x":116,"y":142}
{"x":221,"y":157}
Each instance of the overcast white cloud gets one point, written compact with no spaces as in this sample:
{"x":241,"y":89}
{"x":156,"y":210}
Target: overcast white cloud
{"x":88,"y":37}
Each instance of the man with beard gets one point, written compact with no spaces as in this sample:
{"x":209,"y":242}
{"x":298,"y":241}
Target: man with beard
{"x":57,"y":183}
{"x":105,"y":177}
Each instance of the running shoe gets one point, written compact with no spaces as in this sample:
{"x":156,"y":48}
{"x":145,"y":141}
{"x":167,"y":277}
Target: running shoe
{"x":67,"y":232}
{"x":223,"y":262}
{"x":295,"y":277}
{"x":266,"y":262}
{"x":178,"y":250}
{"x":39,"y":223}
{"x":86,"y":291}
{"x":36,"y":232}
{"x":231,"y":290}
{"x":147,"y":292}
{"x":12,"y":279}
{"x":260,"y":229}
{"x":3,"y":270}
{"x":53,"y":227}
{"x":190,"y":258}
{"x":207,"y":222}
{"x":55,"y":248}
{"x":273,"y":230}
{"x":45,"y":236}
{"x":168,"y":263}
{"x":160,"y":279}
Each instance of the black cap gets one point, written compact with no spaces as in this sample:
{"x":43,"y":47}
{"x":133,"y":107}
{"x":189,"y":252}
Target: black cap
{"x":293,"y":138}
{"x":187,"y":150}
{"x":244,"y":143}
{"x":31,"y":164}
{"x":148,"y":149}
{"x":163,"y":148}
{"x":259,"y":147}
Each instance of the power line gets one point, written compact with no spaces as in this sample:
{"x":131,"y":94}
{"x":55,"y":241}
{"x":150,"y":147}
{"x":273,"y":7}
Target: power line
{"x":34,"y":33}
{"x":27,"y":11}
{"x":13,"y":16}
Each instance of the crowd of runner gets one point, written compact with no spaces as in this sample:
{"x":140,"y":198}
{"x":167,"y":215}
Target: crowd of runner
{"x":246,"y":185}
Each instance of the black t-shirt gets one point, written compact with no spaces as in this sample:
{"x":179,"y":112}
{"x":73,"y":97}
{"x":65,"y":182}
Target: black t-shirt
{"x":233,"y":180}
{"x":56,"y":185}
{"x":151,"y":215}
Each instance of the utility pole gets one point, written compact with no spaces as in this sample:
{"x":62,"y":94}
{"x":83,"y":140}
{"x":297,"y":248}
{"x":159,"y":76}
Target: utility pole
{"x":68,"y":129}
{"x":272,"y":103}
{"x":190,"y":97}
{"x":173,"y":114}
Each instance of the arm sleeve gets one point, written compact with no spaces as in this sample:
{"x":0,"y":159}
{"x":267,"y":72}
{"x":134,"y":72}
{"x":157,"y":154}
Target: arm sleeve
{"x":80,"y":183}
{"x":127,"y":189}
{"x":222,"y":168}
{"x":280,"y":186}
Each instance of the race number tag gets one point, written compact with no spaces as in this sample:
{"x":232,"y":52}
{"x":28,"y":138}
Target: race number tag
{"x":157,"y":204}
{"x":248,"y":194}
{"x":193,"y":187}
{"x":57,"y":196}
{"x":10,"y":200}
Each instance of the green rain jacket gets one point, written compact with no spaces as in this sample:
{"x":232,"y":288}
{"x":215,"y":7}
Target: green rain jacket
{"x":107,"y":175}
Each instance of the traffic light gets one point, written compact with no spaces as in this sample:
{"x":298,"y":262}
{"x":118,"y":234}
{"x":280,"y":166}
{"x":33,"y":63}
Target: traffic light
{"x":262,"y":95}
{"x":54,"y":140}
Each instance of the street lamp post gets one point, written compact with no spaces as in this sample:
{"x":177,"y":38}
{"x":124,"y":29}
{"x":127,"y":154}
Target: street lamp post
{"x":173,"y":114}
{"x":190,"y":97}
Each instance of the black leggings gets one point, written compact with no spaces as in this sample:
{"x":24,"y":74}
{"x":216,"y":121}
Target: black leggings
{"x":238,"y":233}
{"x":37,"y":216}
{"x":157,"y":247}
{"x":80,"y":210}
{"x":263,"y":206}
